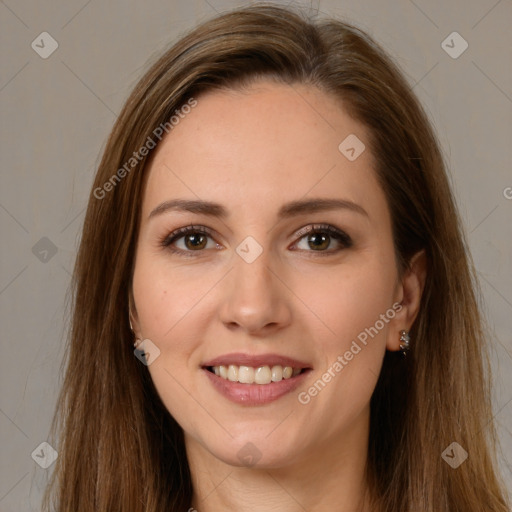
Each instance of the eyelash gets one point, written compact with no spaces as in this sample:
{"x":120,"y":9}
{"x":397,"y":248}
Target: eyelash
{"x":344,"y":240}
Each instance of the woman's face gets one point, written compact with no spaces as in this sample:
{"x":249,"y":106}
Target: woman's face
{"x":251,"y":291}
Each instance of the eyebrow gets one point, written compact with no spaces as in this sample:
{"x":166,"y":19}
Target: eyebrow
{"x":288,"y":210}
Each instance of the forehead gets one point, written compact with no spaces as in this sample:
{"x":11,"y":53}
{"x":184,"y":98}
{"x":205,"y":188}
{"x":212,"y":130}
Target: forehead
{"x":261,"y":147}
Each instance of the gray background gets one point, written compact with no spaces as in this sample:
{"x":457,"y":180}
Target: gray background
{"x":57,"y":113}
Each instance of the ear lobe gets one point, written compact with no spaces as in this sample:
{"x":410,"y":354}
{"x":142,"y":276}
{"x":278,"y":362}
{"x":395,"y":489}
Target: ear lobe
{"x":412,"y":286}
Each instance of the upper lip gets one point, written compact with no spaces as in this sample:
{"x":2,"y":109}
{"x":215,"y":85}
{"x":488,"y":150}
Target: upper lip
{"x":255,"y":361}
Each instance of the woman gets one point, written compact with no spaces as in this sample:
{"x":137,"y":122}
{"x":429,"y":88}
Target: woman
{"x":271,"y":226}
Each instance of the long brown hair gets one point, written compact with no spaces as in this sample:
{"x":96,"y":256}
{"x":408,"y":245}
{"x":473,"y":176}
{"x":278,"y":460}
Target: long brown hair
{"x":109,"y":409}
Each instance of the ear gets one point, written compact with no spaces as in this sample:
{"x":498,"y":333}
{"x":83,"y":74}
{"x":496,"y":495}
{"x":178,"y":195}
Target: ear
{"x":408,"y":295}
{"x":133,"y":317}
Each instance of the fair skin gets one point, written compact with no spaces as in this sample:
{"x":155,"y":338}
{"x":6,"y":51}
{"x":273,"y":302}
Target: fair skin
{"x":304,"y":297}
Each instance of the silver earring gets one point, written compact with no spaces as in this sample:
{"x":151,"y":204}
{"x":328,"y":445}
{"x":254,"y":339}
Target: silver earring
{"x":404,"y":342}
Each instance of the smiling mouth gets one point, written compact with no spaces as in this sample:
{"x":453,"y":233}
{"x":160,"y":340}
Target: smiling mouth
{"x":255,"y":375}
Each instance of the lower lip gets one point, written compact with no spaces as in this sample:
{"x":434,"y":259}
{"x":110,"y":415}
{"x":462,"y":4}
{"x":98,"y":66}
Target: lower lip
{"x":255,"y":394}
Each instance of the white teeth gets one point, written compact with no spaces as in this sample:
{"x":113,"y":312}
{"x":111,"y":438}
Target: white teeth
{"x":277,"y":373}
{"x":263,"y":375}
{"x":259,"y":375}
{"x":233,"y":373}
{"x":246,"y":375}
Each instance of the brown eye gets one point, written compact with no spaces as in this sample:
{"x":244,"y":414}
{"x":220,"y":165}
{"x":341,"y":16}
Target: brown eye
{"x":195,"y":239}
{"x":319,"y":241}
{"x":318,"y":238}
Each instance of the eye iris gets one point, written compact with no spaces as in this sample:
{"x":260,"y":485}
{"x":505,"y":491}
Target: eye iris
{"x":196,"y":241}
{"x":322,"y":238}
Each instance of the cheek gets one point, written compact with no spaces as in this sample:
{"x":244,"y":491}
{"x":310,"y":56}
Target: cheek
{"x":167,"y":301}
{"x":355,"y":306}
{"x":349,"y":298}
{"x":171,"y":302}
{"x":164,"y":295}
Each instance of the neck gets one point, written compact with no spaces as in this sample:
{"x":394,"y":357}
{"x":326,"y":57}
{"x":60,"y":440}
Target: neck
{"x":330,"y":476}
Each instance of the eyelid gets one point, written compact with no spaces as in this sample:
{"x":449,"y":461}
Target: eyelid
{"x":180,"y":232}
{"x":341,"y":237}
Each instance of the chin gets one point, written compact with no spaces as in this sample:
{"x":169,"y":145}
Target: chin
{"x":252,"y":451}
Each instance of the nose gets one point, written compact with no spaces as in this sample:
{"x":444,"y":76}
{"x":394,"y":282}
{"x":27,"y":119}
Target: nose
{"x":255,"y":298}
